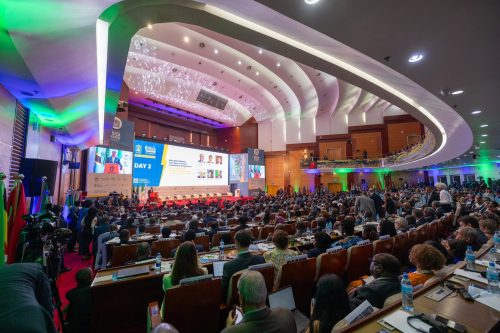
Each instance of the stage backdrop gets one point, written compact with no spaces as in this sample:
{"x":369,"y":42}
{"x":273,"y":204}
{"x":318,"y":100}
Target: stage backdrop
{"x":172,"y":169}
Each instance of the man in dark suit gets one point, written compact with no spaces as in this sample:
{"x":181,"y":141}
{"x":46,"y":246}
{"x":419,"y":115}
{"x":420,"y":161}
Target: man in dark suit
{"x":113,"y":159}
{"x":377,"y":200}
{"x":243,"y":260}
{"x":257,"y":317}
{"x":385,"y":269}
{"x":431,"y":195}
{"x":419,"y":216}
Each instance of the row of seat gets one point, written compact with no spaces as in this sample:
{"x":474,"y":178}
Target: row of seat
{"x":197,"y":195}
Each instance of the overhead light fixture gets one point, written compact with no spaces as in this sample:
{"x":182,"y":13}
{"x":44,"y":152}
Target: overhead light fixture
{"x":482,"y":142}
{"x":260,"y":51}
{"x":150,"y":26}
{"x":257,"y":73}
{"x":278,"y":64}
{"x":216,"y":51}
{"x":476,"y":112}
{"x":239,"y":62}
{"x":484,"y":125}
{"x":311,"y":2}
{"x":484,"y":135}
{"x":416,"y":57}
{"x":457,"y":92}
{"x":186,"y":39}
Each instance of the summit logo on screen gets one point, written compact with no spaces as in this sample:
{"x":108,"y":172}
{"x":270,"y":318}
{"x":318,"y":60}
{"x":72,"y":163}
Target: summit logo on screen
{"x":150,"y":150}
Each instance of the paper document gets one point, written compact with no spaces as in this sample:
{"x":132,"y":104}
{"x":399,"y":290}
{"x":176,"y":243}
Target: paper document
{"x":103,"y":278}
{"x":485,"y":297}
{"x":361,"y":311}
{"x":471,"y":275}
{"x":485,"y":263}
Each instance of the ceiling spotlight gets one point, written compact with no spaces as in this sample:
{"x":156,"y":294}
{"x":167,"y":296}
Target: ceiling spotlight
{"x":476,"y":112}
{"x":260,"y":51}
{"x":278,"y":64}
{"x":239,"y":62}
{"x":484,"y":135}
{"x":416,"y":57}
{"x":484,"y":125}
{"x":186,"y":39}
{"x":311,"y":2}
{"x":216,"y":51}
{"x":202,"y":45}
{"x":482,"y":142}
{"x":150,"y":26}
{"x":257,"y":73}
{"x":457,"y":92}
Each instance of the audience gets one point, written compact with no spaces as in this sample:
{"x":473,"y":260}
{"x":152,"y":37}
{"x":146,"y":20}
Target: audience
{"x":165,"y":232}
{"x":189,"y":236}
{"x":322,"y":242}
{"x":278,"y":255}
{"x":257,"y":317}
{"x":386,"y":227}
{"x":370,"y":232}
{"x":347,"y":229}
{"x":124,"y":236}
{"x":401,"y":224}
{"x":331,"y":304}
{"x":243,"y":260}
{"x":385,"y":268}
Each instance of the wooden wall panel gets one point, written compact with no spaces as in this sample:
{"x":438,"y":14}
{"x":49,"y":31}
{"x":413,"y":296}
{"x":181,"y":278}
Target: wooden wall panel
{"x":237,"y":139}
{"x":275,"y":170}
{"x":293,"y":161}
{"x":332,"y":148}
{"x":371,"y":141}
{"x":398,"y":134}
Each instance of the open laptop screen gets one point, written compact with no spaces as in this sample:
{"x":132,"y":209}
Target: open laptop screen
{"x":218,"y":268}
{"x":282,"y":298}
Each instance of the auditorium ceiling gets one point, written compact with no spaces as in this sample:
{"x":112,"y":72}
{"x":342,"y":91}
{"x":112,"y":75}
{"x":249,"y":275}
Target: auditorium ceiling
{"x":333,"y":57}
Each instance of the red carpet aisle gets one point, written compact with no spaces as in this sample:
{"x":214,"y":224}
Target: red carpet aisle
{"x":67,"y":281}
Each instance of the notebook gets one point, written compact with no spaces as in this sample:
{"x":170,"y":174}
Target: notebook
{"x":283,"y":298}
{"x":218,"y":267}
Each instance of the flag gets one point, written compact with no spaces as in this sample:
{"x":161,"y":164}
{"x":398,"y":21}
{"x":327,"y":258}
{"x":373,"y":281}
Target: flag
{"x":45,"y":195}
{"x":16,"y":209}
{"x":3,"y":219}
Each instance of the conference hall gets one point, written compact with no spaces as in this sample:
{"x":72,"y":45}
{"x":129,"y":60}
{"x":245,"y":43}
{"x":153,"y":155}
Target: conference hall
{"x":249,"y":166}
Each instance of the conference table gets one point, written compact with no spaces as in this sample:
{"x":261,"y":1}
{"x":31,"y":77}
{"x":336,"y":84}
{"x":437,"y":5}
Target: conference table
{"x":477,"y":317}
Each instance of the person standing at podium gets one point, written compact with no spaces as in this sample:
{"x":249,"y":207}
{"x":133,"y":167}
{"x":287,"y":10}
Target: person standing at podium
{"x":113,"y":159}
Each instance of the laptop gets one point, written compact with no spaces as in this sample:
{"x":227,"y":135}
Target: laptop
{"x":283,"y":298}
{"x":133,"y":271}
{"x":218,"y":267}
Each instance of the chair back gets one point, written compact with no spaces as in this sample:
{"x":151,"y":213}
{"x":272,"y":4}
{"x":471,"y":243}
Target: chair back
{"x":290,"y":228}
{"x":412,"y":238}
{"x":164,"y":246}
{"x":265,"y":231}
{"x":401,"y":247}
{"x":216,"y":238}
{"x":153,"y":230}
{"x":201,"y":299}
{"x":383,"y":246}
{"x":358,"y":261}
{"x":300,"y":275}
{"x":332,"y":262}
{"x":120,"y":254}
{"x":204,"y":241}
{"x":433,"y":230}
{"x":443,"y":229}
{"x":423,"y":233}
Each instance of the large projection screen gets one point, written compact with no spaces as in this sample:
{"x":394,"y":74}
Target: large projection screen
{"x":165,"y":165}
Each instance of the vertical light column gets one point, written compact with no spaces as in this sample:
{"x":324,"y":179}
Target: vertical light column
{"x":102,"y":28}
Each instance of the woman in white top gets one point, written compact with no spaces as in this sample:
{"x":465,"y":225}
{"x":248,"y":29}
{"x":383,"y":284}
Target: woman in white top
{"x":445,"y":198}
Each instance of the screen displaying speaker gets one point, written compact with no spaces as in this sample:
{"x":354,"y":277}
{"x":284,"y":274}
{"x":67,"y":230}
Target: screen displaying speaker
{"x":33,"y":171}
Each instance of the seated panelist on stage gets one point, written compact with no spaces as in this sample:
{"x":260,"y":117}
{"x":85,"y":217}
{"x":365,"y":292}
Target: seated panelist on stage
{"x":243,"y":260}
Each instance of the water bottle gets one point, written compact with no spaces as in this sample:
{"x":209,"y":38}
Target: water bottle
{"x":137,"y":231}
{"x":492,"y":276}
{"x":158,"y":262}
{"x":308,"y":231}
{"x":470,"y":258}
{"x":407,"y":293}
{"x":221,"y":246}
{"x":496,"y":239}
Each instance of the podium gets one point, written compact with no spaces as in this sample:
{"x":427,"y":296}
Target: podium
{"x":111,"y":168}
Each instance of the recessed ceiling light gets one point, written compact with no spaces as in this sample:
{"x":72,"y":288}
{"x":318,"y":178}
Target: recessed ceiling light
{"x":311,"y":2}
{"x":239,"y":62}
{"x":457,"y":92}
{"x":498,"y":156}
{"x":482,"y":142}
{"x":484,"y":125}
{"x":150,"y":26}
{"x":476,"y":112}
{"x":216,"y":51}
{"x":484,"y":135}
{"x":186,"y":39}
{"x":278,"y":64}
{"x":260,"y":51}
{"x":257,"y":73}
{"x":416,"y":57}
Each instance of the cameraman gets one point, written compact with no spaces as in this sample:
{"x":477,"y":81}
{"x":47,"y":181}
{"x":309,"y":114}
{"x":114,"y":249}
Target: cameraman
{"x":25,"y":302}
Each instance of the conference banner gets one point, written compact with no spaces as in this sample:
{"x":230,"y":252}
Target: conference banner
{"x":159,"y":164}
